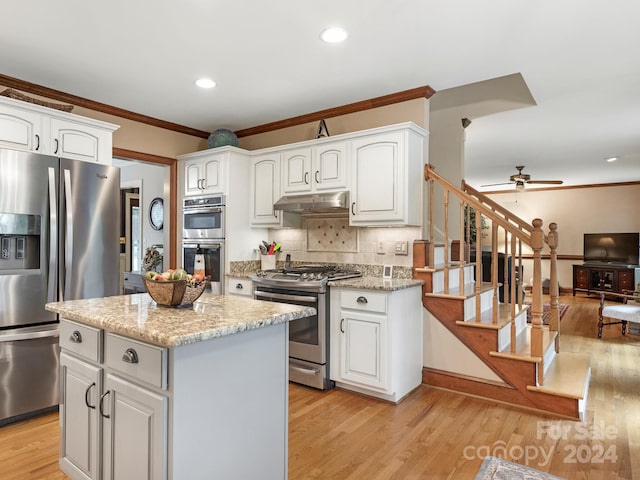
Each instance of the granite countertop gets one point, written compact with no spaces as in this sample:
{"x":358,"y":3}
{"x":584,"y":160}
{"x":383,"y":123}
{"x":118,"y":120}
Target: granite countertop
{"x":377,"y":283}
{"x":211,"y":316}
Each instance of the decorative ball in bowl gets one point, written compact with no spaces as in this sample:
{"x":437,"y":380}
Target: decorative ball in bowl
{"x":179,"y":292}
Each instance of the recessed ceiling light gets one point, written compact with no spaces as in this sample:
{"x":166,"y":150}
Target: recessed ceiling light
{"x":205,"y":83}
{"x":334,"y":35}
{"x":611,"y":159}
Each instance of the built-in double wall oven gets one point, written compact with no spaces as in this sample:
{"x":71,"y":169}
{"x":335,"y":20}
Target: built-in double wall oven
{"x":203,"y":233}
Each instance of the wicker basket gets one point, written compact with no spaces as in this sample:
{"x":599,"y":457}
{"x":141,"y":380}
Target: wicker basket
{"x":174,"y":293}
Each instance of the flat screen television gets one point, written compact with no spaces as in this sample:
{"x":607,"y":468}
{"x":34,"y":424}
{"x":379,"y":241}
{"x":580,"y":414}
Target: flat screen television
{"x":620,"y":248}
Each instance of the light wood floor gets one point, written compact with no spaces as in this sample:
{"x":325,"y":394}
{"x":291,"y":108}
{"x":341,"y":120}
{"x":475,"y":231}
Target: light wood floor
{"x":433,"y":434}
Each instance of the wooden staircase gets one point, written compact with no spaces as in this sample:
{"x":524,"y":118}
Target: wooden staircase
{"x":519,"y":363}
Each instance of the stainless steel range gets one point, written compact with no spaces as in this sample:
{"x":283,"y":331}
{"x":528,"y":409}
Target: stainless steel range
{"x":308,"y":337}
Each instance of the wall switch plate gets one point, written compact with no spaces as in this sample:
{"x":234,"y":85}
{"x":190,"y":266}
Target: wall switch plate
{"x":380,"y":248}
{"x":402,"y":248}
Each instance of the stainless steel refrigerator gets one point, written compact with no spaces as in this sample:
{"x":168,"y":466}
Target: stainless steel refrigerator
{"x":59,"y":240}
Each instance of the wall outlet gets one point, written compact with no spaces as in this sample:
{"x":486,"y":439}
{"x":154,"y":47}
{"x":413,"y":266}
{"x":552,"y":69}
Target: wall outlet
{"x":381,"y":248}
{"x":402,"y":248}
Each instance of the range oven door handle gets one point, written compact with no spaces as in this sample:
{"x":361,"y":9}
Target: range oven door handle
{"x":282,"y":296}
{"x":306,"y":371}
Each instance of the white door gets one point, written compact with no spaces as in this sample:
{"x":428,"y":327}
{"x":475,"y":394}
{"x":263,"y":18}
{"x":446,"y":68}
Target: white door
{"x":363,"y":349}
{"x":192,"y":177}
{"x":21,"y":130}
{"x":80,"y":142}
{"x":135,"y":432}
{"x":213,"y":176}
{"x":265,"y":190}
{"x":329,"y":170}
{"x":79,"y":418}
{"x":378,"y":179}
{"x":296,"y":166}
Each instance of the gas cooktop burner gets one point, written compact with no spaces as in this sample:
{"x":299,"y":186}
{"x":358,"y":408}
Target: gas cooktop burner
{"x":308,"y":273}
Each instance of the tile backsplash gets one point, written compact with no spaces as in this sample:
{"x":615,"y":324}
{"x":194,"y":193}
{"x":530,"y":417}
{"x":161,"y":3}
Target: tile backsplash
{"x":332,"y":240}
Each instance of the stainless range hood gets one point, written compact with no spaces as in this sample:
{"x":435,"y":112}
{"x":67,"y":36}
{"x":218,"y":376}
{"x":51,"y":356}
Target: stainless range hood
{"x":336,"y":202}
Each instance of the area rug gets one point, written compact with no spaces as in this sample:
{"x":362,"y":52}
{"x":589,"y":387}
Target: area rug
{"x":562,"y":309}
{"x":494,"y":468}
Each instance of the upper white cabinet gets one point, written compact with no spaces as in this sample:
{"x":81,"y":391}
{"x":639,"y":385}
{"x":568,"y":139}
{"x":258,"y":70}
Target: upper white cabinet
{"x":387,"y":178}
{"x":20,"y":129}
{"x":264,"y":189}
{"x":79,"y":141}
{"x":32,"y":128}
{"x":205,"y":175}
{"x":317,"y":168}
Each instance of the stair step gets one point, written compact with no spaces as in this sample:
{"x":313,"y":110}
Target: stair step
{"x":523,"y":346}
{"x":486,"y":319}
{"x":568,"y":376}
{"x":468,"y":291}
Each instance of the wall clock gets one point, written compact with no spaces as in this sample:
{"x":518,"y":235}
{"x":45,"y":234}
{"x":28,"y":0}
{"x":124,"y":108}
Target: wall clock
{"x":156,"y":213}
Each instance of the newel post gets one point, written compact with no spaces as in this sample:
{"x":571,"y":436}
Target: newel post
{"x":537,"y":242}
{"x":554,"y":313}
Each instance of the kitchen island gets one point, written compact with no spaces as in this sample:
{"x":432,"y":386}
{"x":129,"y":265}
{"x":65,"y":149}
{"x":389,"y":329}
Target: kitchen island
{"x":163,"y":393}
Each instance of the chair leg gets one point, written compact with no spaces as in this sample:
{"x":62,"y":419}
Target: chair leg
{"x":600,"y":327}
{"x":624,"y":327}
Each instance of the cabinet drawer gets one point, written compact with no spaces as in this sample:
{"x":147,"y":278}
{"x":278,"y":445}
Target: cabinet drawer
{"x":625,"y":280}
{"x":239,"y":286}
{"x":364,"y":300}
{"x":141,"y":361}
{"x":81,"y":339}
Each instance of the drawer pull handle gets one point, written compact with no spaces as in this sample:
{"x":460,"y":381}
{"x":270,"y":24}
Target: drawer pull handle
{"x":306,"y":178}
{"x":37,"y":142}
{"x":130,"y":356}
{"x":316,"y":176}
{"x":362,"y":300}
{"x":341,"y":324}
{"x":239,"y":286}
{"x":76,"y":337}
{"x":102,"y":404}
{"x":352,"y":208}
{"x":86,"y":396}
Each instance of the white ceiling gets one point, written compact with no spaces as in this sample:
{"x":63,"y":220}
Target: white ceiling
{"x":579,"y":58}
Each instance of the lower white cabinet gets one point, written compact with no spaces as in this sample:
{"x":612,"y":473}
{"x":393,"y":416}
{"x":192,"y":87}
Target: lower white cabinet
{"x":135,"y":431}
{"x":131,"y":410}
{"x":376,"y":341}
{"x":239,"y":286}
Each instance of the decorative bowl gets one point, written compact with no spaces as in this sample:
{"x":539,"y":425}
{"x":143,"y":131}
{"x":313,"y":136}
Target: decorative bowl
{"x":174,"y":293}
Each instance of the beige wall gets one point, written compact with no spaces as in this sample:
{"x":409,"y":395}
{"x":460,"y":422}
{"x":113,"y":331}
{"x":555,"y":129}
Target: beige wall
{"x":416,"y":111}
{"x":576,"y":211}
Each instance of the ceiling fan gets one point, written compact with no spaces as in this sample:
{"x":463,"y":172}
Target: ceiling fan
{"x":521,"y":179}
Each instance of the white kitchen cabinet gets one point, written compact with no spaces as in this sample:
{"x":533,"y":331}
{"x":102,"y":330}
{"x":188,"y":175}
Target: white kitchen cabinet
{"x":205,"y":175}
{"x":314,"y":169}
{"x":80,"y":423}
{"x":70,"y":139}
{"x":155,"y":417}
{"x":33,"y":128}
{"x":117,"y":430}
{"x":387,"y":178}
{"x":20,"y":129}
{"x":239,"y":286}
{"x":376,"y":341}
{"x":264,"y":190}
{"x":135,"y":431}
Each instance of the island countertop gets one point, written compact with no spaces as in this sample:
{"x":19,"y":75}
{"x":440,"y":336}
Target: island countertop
{"x":211,"y":316}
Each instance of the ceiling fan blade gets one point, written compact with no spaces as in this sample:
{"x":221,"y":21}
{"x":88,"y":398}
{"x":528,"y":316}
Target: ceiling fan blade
{"x":548,"y":182}
{"x":496,"y":184}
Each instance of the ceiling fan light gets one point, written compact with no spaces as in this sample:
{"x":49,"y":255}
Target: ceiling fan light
{"x":334,"y":35}
{"x":205,"y":83}
{"x":519,"y":186}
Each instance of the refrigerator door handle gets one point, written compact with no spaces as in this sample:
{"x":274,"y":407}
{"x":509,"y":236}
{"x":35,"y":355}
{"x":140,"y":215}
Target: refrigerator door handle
{"x":53,"y":235}
{"x":28,"y":333}
{"x":68,"y":236}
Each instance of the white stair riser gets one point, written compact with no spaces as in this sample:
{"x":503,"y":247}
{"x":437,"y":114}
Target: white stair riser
{"x":504,"y":334}
{"x":454,"y":278}
{"x":486,"y":303}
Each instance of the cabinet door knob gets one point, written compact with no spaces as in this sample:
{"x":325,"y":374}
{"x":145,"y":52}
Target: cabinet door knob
{"x":316,"y":176}
{"x":341,"y":324}
{"x":239,"y":286}
{"x":86,"y":396}
{"x":130,"y":356}
{"x":352,"y":208}
{"x":76,"y":337}
{"x":306,"y":178}
{"x":102,"y":404}
{"x":37,"y":142}
{"x":362,"y":300}
{"x":57,"y":146}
